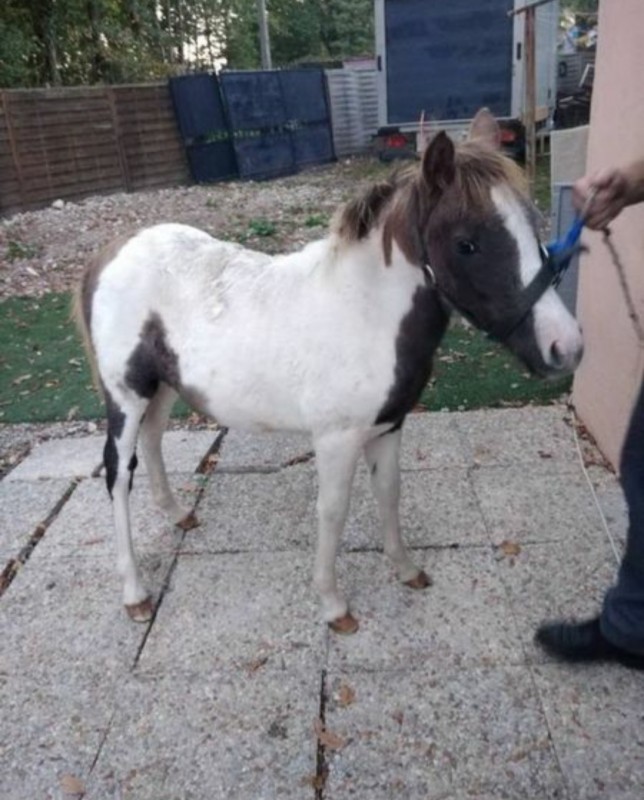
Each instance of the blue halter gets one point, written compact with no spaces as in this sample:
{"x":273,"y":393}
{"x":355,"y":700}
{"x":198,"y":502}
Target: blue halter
{"x":560,"y":253}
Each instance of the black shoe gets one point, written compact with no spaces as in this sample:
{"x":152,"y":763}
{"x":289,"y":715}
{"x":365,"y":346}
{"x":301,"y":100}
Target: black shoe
{"x":583,"y":641}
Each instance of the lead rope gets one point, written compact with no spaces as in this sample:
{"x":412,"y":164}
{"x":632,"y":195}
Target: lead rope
{"x":628,"y":298}
{"x":621,"y":272}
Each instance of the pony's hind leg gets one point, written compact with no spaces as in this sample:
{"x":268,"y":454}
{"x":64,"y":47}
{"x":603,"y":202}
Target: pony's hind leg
{"x":153,"y":426}
{"x":120,"y":462}
{"x":336,"y":456}
{"x":382,"y":455}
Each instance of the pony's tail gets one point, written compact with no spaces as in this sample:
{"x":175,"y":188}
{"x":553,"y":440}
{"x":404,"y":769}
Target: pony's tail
{"x":79,"y":315}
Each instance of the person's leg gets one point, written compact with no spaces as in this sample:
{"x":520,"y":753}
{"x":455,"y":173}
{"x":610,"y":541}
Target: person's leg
{"x":622,"y":618}
{"x":618,"y":633}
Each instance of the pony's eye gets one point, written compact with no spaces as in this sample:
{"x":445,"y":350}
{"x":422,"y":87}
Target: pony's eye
{"x":466,"y":247}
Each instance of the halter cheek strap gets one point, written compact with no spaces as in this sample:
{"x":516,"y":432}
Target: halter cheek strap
{"x":502,"y":328}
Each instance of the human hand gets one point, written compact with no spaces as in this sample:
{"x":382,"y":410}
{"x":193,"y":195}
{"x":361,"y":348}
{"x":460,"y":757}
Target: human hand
{"x":601,"y":197}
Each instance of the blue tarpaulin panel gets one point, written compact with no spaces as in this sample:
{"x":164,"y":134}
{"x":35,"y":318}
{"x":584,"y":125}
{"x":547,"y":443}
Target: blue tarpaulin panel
{"x":253,"y":99}
{"x":313,"y":145}
{"x":203,"y":126}
{"x":265,"y":156}
{"x":280,"y":120}
{"x":304,"y":92}
{"x":448,"y":59}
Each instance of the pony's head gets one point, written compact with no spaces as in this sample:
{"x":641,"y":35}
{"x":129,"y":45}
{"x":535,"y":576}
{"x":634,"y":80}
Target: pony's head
{"x":466,"y":218}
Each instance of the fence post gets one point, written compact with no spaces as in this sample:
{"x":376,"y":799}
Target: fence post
{"x":118,"y":138}
{"x":4,"y":98}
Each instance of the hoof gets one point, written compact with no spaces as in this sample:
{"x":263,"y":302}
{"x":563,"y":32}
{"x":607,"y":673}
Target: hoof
{"x":345,"y":625}
{"x":421,"y":581}
{"x":189,"y":522}
{"x":141,"y":612}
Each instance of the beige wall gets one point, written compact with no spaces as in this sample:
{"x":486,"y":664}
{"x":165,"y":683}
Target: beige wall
{"x":607,"y":380}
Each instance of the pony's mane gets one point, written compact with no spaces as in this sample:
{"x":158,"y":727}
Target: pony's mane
{"x":477,"y":169}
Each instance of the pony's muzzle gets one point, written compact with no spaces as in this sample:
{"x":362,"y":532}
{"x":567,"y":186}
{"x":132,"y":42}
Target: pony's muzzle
{"x":565,"y":354}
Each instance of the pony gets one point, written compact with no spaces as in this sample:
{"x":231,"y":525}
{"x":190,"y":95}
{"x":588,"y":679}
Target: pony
{"x":336,"y":339}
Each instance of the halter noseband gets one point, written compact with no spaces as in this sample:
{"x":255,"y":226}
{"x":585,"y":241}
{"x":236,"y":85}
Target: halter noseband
{"x":555,"y":260}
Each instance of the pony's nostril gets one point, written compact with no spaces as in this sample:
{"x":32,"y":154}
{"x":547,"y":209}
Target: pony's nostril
{"x":558,"y":359}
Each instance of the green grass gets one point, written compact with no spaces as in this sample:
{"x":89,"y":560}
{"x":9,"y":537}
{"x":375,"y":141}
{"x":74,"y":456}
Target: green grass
{"x":470,"y":371}
{"x":44,"y":374}
{"x":43,"y":371}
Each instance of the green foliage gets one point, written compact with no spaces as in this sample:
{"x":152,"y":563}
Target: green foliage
{"x":16,"y":250}
{"x":261,"y":227}
{"x":317,"y":221}
{"x":580,"y":6}
{"x":61,"y":42}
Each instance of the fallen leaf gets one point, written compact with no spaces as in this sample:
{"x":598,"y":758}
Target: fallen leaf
{"x":544,"y":454}
{"x":256,"y":663}
{"x":72,"y":413}
{"x":70,"y":784}
{"x":327,"y":738}
{"x":509,"y":548}
{"x":398,"y":717}
{"x":346,"y":695}
{"x":21,"y":379}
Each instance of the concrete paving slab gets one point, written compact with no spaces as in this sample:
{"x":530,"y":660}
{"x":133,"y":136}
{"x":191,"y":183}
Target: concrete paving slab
{"x":595,"y":718}
{"x":241,"y":451}
{"x":464,"y":618}
{"x":23,"y":506}
{"x":256,"y":511}
{"x":437,"y":507}
{"x":63,"y":613}
{"x":432,"y":441}
{"x":478,"y":733}
{"x":517,"y":435}
{"x":182,"y":450}
{"x":61,"y":458}
{"x":238,"y":610}
{"x":84,"y":527}
{"x":611,"y":501}
{"x":554,"y":581}
{"x":53,"y":723}
{"x":537,"y":502}
{"x":212,"y":735}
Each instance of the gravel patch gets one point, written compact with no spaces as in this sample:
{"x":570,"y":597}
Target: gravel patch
{"x":46,"y":250}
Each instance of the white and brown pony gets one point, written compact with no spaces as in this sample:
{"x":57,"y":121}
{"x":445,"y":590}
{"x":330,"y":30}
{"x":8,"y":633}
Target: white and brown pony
{"x":336,"y":339}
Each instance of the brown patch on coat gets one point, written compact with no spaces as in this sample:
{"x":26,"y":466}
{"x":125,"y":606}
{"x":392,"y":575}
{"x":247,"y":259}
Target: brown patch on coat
{"x":153,"y":360}
{"x":417,"y":211}
{"x":84,"y":296}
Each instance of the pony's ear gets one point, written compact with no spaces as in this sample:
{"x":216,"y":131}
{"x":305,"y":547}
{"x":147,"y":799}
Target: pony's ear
{"x":438,"y":162}
{"x":484,"y":128}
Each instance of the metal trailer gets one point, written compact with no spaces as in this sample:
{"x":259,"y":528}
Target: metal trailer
{"x":447,"y":59}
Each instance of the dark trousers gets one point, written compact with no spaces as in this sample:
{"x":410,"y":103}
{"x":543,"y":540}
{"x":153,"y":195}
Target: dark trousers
{"x":622,"y":618}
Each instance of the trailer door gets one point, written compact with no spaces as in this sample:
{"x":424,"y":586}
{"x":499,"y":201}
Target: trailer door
{"x":444,"y":58}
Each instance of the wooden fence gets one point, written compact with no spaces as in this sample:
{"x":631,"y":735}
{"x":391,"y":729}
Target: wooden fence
{"x":72,"y":142}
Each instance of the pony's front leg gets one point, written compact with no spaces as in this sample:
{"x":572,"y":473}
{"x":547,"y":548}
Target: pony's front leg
{"x":336,"y":455}
{"x":120,"y":462}
{"x":382,"y":455}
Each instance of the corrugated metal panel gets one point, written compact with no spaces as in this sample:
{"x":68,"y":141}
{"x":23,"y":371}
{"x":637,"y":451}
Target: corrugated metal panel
{"x":353,"y":95}
{"x":563,"y":214}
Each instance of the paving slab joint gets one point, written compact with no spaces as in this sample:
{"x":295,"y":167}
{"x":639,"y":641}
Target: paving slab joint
{"x":321,"y":767}
{"x":14,"y":565}
{"x":207,"y":466}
